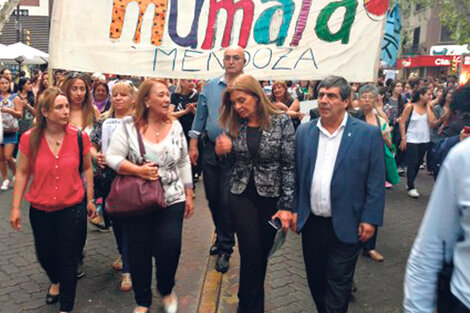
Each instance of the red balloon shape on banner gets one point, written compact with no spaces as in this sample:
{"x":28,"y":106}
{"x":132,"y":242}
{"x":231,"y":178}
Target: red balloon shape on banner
{"x":376,"y":7}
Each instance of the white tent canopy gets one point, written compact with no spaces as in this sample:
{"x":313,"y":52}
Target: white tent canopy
{"x":19,"y":52}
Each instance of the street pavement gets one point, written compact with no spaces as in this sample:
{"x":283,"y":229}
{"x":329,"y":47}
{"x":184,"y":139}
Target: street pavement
{"x":23,"y":284}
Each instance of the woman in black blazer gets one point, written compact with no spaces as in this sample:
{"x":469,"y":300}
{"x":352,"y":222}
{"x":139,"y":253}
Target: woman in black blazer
{"x":262,"y":140}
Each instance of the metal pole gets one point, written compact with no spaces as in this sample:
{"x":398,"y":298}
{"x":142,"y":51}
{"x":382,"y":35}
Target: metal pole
{"x":50,"y":73}
{"x":18,"y":27}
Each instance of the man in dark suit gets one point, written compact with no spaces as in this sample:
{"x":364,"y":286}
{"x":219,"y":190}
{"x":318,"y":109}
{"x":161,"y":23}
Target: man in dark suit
{"x":340,"y":195}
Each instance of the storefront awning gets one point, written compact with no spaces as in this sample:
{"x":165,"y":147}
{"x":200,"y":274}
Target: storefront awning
{"x":428,"y":61}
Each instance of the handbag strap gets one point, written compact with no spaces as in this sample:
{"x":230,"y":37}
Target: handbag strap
{"x":80,"y":151}
{"x":378,"y":122}
{"x":141,"y":144}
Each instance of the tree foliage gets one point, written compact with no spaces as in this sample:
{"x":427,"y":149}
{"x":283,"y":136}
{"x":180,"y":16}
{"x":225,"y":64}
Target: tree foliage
{"x":6,"y":8}
{"x":454,"y":14}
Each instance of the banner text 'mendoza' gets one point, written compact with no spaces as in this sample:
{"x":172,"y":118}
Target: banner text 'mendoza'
{"x":262,"y":58}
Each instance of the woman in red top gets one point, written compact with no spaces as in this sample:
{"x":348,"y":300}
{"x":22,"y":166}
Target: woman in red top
{"x":50,"y":153}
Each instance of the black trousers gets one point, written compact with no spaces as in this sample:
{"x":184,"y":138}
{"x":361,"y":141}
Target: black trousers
{"x":120,"y":234}
{"x":158,"y":236}
{"x":216,"y":175}
{"x":396,"y":139}
{"x":251,"y":214}
{"x":330,"y":265}
{"x":414,"y":158}
{"x":459,"y":307}
{"x":59,"y":237}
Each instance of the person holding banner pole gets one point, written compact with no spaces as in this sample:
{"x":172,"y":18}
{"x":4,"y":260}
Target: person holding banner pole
{"x":216,"y":170}
{"x":122,"y":101}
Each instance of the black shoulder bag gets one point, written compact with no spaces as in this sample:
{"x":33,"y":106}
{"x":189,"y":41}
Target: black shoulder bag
{"x":445,"y":298}
{"x":80,"y":151}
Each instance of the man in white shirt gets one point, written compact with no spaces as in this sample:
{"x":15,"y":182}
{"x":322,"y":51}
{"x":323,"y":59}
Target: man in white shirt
{"x":339,"y":196}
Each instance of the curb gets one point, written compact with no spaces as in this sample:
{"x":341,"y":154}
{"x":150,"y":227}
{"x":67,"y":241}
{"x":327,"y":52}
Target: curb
{"x":211,"y":288}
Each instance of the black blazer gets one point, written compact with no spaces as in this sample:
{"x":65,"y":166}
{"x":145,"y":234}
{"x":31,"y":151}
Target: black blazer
{"x":273,"y":165}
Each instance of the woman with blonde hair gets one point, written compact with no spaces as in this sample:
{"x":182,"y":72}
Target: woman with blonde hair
{"x":157,"y":234}
{"x":50,"y":153}
{"x":261,"y":137}
{"x":122,"y":104}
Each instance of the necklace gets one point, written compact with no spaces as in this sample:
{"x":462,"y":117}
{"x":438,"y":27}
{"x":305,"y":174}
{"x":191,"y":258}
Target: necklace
{"x":54,"y":142}
{"x":57,"y":142}
{"x":158,"y":130}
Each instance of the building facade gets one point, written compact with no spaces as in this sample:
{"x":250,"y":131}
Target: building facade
{"x":428,"y":49}
{"x":33,"y":28}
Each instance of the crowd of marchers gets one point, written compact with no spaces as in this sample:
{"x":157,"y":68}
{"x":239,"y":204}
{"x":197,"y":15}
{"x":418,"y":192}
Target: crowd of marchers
{"x":268,"y":165}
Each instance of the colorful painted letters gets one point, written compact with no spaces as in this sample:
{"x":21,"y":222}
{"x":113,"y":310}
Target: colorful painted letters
{"x":119,"y":12}
{"x":323,"y":30}
{"x":262,"y":32}
{"x":215,"y":5}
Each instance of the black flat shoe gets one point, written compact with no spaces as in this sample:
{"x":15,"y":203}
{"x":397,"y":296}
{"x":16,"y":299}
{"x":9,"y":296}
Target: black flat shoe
{"x":223,"y":263}
{"x":51,"y":299}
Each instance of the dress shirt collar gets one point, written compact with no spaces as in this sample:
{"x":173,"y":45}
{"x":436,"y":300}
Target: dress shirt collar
{"x":222,"y":80}
{"x":326,"y":132}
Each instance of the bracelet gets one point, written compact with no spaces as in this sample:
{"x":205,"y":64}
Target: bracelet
{"x":91,"y":201}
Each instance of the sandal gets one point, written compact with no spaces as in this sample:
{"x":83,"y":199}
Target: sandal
{"x":126,"y":282}
{"x":117,"y":265}
{"x":50,"y":298}
{"x":139,"y":309}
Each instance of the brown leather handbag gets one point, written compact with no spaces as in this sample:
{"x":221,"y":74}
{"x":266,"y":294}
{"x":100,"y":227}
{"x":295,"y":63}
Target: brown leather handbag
{"x":133,"y":196}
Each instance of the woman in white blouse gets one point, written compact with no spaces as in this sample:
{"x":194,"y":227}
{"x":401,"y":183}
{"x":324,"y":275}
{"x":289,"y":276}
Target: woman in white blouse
{"x":416,"y":137}
{"x":157,"y":235}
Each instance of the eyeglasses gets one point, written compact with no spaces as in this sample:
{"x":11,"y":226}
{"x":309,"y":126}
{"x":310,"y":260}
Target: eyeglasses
{"x":232,"y":57}
{"x":368,"y":97}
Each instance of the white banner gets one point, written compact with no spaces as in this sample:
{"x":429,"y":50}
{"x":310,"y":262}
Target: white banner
{"x":284,"y":39}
